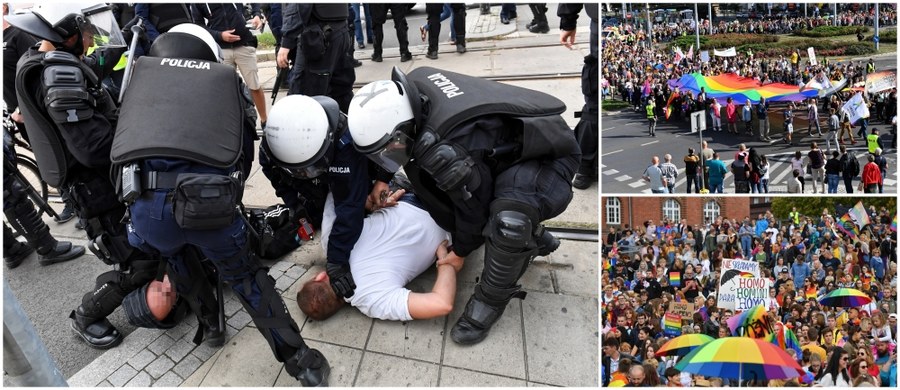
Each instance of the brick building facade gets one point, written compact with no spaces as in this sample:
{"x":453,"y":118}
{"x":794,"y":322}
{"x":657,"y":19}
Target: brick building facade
{"x":616,"y":211}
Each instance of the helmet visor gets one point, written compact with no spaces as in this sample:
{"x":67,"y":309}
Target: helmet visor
{"x":99,"y":29}
{"x":396,"y":151}
{"x":310,"y":171}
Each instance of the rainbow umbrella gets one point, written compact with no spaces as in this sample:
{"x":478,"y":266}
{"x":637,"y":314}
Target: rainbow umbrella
{"x":845,"y":297}
{"x":682,"y":345}
{"x":754,"y":321}
{"x":740,"y":358}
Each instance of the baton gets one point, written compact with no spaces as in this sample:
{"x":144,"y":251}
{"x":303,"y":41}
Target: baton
{"x":136,"y":31}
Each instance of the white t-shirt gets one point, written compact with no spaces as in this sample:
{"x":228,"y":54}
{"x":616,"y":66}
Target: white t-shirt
{"x":396,"y":245}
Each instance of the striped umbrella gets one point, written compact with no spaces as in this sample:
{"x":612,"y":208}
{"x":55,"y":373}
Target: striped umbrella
{"x":845,"y":297}
{"x":682,"y":345}
{"x":755,"y":323}
{"x":740,"y":358}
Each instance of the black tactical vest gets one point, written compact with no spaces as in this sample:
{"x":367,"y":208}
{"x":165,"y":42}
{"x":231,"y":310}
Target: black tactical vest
{"x":330,"y":12}
{"x":53,"y":158}
{"x":456,"y":98}
{"x":204,"y":124}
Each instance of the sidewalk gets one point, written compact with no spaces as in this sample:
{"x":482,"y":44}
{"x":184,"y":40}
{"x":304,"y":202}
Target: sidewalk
{"x":550,"y":338}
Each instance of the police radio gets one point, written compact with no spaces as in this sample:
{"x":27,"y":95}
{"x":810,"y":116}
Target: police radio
{"x":131,"y":183}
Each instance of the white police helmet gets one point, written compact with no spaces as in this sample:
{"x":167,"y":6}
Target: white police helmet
{"x":382,"y":123}
{"x":299,"y":136}
{"x":187,"y":40}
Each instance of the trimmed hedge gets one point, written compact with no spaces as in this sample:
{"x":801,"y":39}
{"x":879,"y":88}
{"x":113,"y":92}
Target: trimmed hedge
{"x":723,"y":41}
{"x":831,"y":31}
{"x":889,"y":36}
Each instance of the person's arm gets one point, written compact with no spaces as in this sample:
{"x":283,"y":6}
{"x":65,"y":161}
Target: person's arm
{"x":294,"y":17}
{"x":143,"y":10}
{"x":568,"y":14}
{"x":438,"y":302}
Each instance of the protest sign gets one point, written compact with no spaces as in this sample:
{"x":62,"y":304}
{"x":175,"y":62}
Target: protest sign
{"x":732,"y":272}
{"x":881,"y":81}
{"x":684,"y":309}
{"x":673,"y":324}
{"x":812,"y":56}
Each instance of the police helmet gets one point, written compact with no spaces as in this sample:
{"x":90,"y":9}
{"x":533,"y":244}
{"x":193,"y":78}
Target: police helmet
{"x":57,"y":22}
{"x":383,"y":118}
{"x":299,"y":134}
{"x":186,"y":40}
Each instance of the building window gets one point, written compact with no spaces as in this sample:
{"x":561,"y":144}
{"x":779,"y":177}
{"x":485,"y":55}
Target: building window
{"x":672,"y":210}
{"x":613,"y":211}
{"x":711,"y":211}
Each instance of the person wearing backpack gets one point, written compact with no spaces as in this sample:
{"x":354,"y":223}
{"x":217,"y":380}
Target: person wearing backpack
{"x":882,"y":166}
{"x":851,"y":168}
{"x":741,"y":171}
{"x":817,"y":167}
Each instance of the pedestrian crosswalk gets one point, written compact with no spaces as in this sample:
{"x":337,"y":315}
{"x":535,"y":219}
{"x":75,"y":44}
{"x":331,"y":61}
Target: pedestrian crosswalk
{"x":779,"y":173}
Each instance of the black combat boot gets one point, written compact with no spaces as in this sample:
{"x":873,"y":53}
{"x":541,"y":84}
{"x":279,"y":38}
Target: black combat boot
{"x":28,"y":222}
{"x":100,"y":334}
{"x":309,"y":366}
{"x":14,"y":252}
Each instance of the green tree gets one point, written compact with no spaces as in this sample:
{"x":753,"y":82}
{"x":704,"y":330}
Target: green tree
{"x":813,"y":205}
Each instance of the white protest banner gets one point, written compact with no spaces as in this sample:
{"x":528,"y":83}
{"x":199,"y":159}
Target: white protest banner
{"x":729,"y":282}
{"x":751,"y":292}
{"x":704,"y":56}
{"x":812,"y":56}
{"x":730,"y":52}
{"x":881,"y":81}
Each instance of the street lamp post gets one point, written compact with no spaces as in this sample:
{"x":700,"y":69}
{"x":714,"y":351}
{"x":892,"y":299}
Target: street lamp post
{"x":877,"y":38}
{"x":709,"y":9}
{"x":697,"y":27}
{"x":649,"y":28}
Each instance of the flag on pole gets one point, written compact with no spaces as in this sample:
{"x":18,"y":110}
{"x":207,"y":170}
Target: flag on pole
{"x":856,"y":108}
{"x":690,"y":53}
{"x":894,"y":224}
{"x":859,"y":215}
{"x":678,"y":55}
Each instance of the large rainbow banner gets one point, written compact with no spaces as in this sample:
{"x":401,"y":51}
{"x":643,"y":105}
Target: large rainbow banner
{"x":740,"y":89}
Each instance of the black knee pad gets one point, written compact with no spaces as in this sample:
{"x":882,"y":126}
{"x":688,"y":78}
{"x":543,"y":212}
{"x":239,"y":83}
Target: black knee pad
{"x":512,"y":226}
{"x":272,"y":316}
{"x":106,"y":296}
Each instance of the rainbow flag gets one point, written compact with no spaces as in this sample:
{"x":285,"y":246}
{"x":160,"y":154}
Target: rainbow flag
{"x":741,"y":89}
{"x":812,"y":292}
{"x":672,"y":97}
{"x":855,"y":219}
{"x":675,"y":279}
{"x":672,"y":324}
{"x":894,"y":223}
{"x":785,"y":340}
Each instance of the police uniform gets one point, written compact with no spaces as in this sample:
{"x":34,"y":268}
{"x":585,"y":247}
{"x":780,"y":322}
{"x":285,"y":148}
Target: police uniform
{"x":71,"y":139}
{"x":379,"y":18}
{"x":587,"y":129}
{"x":490,"y":162}
{"x":324,"y":60}
{"x":349,"y":180}
{"x":186,"y":191}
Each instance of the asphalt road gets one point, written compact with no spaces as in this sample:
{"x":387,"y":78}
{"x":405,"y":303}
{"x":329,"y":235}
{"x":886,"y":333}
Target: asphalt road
{"x":627,"y":149}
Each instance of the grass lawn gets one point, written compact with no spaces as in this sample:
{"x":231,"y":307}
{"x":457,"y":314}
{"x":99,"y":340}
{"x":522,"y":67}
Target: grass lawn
{"x":613,"y":105}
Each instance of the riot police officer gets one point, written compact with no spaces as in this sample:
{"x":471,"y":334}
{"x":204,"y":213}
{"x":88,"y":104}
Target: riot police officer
{"x":71,"y":120}
{"x":324,"y":61}
{"x":185,"y":191}
{"x":379,"y":18}
{"x":489,"y":161}
{"x":312,"y":151}
{"x":587,"y":129}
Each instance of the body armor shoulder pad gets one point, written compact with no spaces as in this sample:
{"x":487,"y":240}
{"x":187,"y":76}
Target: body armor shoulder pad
{"x":331,"y":12}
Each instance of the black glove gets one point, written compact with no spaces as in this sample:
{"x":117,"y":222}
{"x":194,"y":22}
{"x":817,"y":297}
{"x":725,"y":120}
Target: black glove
{"x":341,"y":279}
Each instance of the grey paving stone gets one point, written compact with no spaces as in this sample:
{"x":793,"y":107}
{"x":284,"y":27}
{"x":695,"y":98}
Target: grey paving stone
{"x":159,"y":367}
{"x":562,"y":361}
{"x":501,"y":353}
{"x":581,"y":279}
{"x":181,"y":348}
{"x":295,"y":272}
{"x":454,"y":377}
{"x":232,"y":306}
{"x":122,"y":375}
{"x":111,"y":360}
{"x":280,"y":266}
{"x":142,"y":379}
{"x":187,"y":366}
{"x":104,"y":384}
{"x":199,"y":374}
{"x":239,"y":320}
{"x":181,"y":330}
{"x":283,"y":283}
{"x":161,"y":344}
{"x":203,"y":352}
{"x":241,"y":366}
{"x":421,"y":339}
{"x":142,"y":359}
{"x":383,"y":370}
{"x":170,"y":379}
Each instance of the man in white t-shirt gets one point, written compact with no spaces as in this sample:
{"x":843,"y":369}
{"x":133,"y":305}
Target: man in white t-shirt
{"x":396,"y":245}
